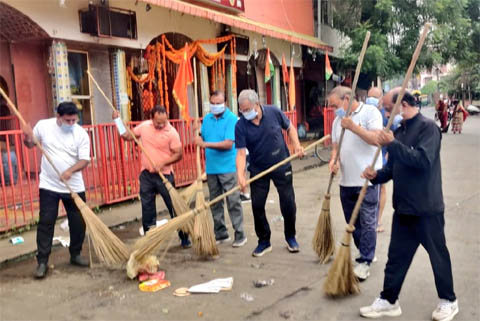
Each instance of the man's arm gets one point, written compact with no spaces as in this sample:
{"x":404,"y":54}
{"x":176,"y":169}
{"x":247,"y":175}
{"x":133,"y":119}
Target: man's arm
{"x":28,"y":136}
{"x":368,"y":136}
{"x":226,"y":144}
{"x":422,"y":156}
{"x":78,"y":166}
{"x":241,"y":162}
{"x":292,"y":134}
{"x":332,"y":166}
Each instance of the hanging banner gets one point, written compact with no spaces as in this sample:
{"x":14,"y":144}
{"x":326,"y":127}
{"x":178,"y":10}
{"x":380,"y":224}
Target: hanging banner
{"x":119,"y":74}
{"x":58,"y":69}
{"x":228,"y":5}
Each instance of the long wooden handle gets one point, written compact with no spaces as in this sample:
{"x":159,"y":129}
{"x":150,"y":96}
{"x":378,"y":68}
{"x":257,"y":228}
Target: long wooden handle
{"x":267,"y":171}
{"x":199,"y":164}
{"x":395,"y":111}
{"x":15,"y":111}
{"x":142,"y":148}
{"x":350,"y":101}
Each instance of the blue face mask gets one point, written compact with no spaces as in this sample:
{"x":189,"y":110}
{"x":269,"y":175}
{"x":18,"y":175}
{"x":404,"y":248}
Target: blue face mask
{"x":340,"y":112}
{"x":217,"y":109}
{"x":396,"y":121}
{"x":251,"y":114}
{"x":372,"y":101}
{"x":67,"y":128}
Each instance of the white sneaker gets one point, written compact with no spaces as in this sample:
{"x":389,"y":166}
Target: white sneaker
{"x":362,"y":271}
{"x":239,"y":243}
{"x":445,"y":311}
{"x":380,"y":308}
{"x":375,"y":259}
{"x":225,"y":240}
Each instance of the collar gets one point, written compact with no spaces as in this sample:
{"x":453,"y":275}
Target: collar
{"x":223,"y":114}
{"x":359,"y":108}
{"x":411,"y":121}
{"x":165,"y":128}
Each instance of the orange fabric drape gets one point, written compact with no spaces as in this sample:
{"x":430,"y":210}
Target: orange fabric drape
{"x":158,"y":54}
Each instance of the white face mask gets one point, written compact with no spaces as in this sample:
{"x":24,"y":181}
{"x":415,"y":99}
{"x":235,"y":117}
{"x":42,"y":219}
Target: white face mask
{"x":250,"y":115}
{"x":372,"y":101}
{"x":217,"y":109}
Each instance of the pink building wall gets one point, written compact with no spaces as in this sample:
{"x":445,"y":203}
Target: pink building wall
{"x":6,"y":68}
{"x":293,"y":15}
{"x":30,"y":81}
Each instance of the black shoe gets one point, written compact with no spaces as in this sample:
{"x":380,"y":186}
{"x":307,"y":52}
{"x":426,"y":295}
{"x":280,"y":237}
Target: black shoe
{"x":41,"y":271}
{"x":79,"y":261}
{"x":186,"y":244}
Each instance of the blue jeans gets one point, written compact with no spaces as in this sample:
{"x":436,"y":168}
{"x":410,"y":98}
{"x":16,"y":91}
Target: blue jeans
{"x":365,"y":234}
{"x":6,"y":170}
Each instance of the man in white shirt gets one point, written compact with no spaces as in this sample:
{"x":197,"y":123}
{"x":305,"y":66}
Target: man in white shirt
{"x":68,"y":145}
{"x":357,"y":152}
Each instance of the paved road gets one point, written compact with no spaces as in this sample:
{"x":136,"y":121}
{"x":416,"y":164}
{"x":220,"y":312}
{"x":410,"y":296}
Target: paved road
{"x":72,"y":293}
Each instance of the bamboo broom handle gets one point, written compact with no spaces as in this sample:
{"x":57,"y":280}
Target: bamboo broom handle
{"x":14,"y":110}
{"x":265,"y":172}
{"x":144,"y":151}
{"x":199,"y":165}
{"x":356,"y":209}
{"x":349,"y":109}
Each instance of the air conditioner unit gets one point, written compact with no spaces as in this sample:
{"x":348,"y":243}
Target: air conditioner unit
{"x":102,"y":21}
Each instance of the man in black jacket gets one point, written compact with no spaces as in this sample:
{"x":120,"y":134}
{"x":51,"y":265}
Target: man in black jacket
{"x":414,"y":166}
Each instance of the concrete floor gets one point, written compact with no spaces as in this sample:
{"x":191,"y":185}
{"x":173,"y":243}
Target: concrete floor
{"x":297,"y":294}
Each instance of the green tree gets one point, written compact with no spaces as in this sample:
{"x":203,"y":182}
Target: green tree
{"x":395,"y":26}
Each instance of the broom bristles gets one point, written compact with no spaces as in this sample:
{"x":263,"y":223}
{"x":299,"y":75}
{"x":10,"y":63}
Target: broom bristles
{"x":180,"y":206}
{"x":189,"y":193}
{"x":109,"y":249}
{"x":323,"y":241}
{"x":341,"y":280}
{"x":204,"y":243}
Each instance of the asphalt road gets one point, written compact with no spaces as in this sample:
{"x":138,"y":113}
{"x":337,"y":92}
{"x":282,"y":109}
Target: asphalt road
{"x":297,"y":292}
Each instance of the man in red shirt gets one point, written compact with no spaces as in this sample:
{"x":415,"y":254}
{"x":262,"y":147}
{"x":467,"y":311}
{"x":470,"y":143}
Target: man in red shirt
{"x":163,"y":144}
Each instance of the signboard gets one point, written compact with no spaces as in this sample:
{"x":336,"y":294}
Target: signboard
{"x":228,"y":5}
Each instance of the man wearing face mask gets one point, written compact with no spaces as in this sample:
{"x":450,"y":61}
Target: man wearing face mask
{"x":163,"y":144}
{"x":414,"y":165}
{"x":260,"y":131}
{"x":357,"y":151}
{"x":68,"y":145}
{"x":218,"y":139}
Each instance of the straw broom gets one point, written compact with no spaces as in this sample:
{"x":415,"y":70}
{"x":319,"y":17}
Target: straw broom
{"x":145,"y":246}
{"x":323,"y":241}
{"x":204,"y":242}
{"x":189,"y":193}
{"x":341,"y":280}
{"x":178,"y":203}
{"x":108,"y":247}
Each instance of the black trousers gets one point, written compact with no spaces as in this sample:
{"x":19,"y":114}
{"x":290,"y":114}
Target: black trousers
{"x":49,"y":201}
{"x":408,"y":232}
{"x":150,"y":185}
{"x":283,"y":181}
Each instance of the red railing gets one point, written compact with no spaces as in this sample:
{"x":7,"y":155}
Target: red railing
{"x":111,"y":176}
{"x":328,"y":117}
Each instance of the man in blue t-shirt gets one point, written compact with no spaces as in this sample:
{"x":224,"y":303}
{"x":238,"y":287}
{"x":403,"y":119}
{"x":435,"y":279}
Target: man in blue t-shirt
{"x":218,"y":139}
{"x":260,"y":131}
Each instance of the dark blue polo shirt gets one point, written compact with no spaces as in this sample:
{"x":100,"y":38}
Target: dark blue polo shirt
{"x":264,"y":142}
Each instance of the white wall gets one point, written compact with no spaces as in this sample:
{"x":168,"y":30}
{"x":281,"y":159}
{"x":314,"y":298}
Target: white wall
{"x":63,"y":23}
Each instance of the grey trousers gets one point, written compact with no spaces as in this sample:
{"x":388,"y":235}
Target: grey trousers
{"x":217,"y":185}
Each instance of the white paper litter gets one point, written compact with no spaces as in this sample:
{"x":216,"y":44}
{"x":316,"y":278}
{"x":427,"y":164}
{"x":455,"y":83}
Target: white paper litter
{"x":64,"y":240}
{"x":213,"y":286}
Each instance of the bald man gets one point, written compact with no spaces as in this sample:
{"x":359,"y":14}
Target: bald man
{"x":414,"y":166}
{"x":374,"y":98}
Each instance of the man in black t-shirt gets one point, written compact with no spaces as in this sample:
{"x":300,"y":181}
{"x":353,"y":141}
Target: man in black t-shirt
{"x":260,"y":131}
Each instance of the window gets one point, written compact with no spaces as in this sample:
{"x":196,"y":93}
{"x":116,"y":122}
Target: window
{"x":79,"y":84}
